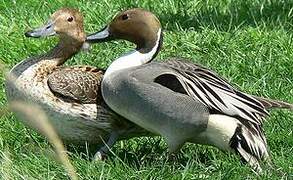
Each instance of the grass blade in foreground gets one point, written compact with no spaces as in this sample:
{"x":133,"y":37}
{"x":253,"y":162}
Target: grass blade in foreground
{"x":38,"y":120}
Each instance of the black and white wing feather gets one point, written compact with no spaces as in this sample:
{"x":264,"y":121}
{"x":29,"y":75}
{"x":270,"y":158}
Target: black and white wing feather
{"x":215,"y":92}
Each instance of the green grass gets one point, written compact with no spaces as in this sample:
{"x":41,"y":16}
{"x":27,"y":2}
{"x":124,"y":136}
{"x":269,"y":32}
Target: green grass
{"x":250,"y":42}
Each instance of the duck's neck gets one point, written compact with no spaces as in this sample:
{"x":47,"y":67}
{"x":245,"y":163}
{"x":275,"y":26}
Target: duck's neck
{"x":55,"y":57}
{"x":61,"y":52}
{"x":139,"y":56}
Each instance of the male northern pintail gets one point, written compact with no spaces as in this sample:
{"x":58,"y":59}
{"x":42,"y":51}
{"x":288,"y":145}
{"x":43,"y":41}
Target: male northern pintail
{"x":181,"y":101}
{"x":70,"y":96}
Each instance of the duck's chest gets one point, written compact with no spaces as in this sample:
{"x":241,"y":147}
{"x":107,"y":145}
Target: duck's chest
{"x":113,"y":85}
{"x":30,"y":81}
{"x":34,"y":79}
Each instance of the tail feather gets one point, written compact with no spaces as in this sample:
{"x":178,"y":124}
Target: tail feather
{"x":253,"y":162}
{"x":251,"y":145}
{"x":238,"y":135}
{"x":270,"y":104}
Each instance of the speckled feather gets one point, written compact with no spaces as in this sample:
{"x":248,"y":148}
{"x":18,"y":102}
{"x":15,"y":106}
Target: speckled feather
{"x":78,"y":84}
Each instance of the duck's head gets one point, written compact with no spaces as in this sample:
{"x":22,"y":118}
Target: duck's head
{"x":66,"y":22}
{"x":137,"y":25}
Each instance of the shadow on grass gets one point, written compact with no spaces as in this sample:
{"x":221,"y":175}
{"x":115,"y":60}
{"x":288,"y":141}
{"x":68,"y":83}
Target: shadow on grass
{"x":235,"y":15}
{"x":153,"y":153}
{"x":145,"y":152}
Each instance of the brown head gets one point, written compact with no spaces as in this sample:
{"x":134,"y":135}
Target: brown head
{"x":66,"y":22}
{"x":137,"y":25}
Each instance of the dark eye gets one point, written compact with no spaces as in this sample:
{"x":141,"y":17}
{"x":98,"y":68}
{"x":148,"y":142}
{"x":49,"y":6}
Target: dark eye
{"x":70,"y":19}
{"x":124,"y":16}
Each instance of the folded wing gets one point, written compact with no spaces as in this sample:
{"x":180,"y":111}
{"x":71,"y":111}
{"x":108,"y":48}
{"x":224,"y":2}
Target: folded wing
{"x":77,"y":84}
{"x":215,"y":92}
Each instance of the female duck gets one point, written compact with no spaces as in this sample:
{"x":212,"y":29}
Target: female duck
{"x":70,"y":96}
{"x":181,"y":101}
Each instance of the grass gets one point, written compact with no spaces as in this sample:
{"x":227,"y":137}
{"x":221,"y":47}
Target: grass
{"x":248,"y":41}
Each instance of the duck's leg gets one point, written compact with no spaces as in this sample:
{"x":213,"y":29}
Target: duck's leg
{"x":174,"y":146}
{"x":103,"y":151}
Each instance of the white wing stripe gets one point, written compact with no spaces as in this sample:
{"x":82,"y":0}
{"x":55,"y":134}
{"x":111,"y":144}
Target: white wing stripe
{"x":212,"y":92}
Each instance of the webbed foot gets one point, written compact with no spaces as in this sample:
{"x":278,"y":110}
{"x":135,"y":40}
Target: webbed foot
{"x":101,"y":154}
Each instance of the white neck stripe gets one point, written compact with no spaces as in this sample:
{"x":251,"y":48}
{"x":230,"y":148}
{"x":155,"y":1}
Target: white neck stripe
{"x":133,"y":58}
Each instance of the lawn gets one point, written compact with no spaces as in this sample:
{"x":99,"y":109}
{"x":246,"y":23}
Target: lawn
{"x":250,"y":42}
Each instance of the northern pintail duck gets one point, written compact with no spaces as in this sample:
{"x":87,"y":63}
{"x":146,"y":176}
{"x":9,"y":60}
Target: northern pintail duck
{"x":181,"y":101}
{"x":70,"y":96}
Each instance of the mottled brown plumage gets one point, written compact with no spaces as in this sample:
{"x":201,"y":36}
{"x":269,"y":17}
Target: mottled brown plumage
{"x":78,"y":84}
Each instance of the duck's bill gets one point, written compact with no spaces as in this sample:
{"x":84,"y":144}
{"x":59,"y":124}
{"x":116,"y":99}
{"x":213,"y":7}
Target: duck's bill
{"x":102,"y":36}
{"x":44,"y":31}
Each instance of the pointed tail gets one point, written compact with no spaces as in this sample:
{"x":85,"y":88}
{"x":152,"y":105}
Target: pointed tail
{"x":271,"y":104}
